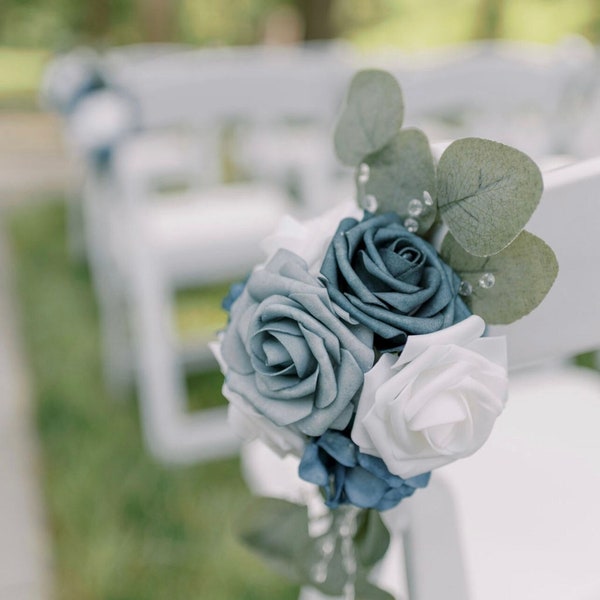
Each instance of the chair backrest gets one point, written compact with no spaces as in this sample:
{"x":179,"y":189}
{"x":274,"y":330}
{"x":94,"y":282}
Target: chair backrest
{"x":568,"y":219}
{"x":517,"y":93}
{"x":204,"y":87}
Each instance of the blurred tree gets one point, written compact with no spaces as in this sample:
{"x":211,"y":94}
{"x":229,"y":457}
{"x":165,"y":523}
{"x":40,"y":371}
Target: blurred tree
{"x":593,"y":28}
{"x":317,"y":15}
{"x":490,"y":19}
{"x":97,"y":21}
{"x":158,"y":20}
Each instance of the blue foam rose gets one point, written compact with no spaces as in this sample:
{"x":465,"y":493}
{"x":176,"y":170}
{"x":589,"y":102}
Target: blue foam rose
{"x":348,"y":476}
{"x":290,"y":354}
{"x":391,"y":280}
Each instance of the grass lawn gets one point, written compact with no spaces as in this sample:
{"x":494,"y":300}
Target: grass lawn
{"x":123,"y":527}
{"x":20,"y":75}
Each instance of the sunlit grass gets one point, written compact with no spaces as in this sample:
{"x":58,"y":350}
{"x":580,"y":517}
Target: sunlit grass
{"x":199,"y":312}
{"x":421,"y":24}
{"x":123,"y":527}
{"x":20,"y":73}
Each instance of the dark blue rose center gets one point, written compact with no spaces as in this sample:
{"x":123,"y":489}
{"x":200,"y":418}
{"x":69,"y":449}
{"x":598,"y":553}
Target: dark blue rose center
{"x":390,"y":280}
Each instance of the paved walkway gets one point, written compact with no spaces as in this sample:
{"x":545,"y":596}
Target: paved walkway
{"x":32,"y":165}
{"x":33,"y":160}
{"x":24,"y":556}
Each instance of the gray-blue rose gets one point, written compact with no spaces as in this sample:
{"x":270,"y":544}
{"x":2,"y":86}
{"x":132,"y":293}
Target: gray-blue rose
{"x":391,"y":280}
{"x":289,"y":351}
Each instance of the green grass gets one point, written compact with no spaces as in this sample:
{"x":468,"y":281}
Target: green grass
{"x":123,"y":527}
{"x":420,"y":24}
{"x":20,"y":74}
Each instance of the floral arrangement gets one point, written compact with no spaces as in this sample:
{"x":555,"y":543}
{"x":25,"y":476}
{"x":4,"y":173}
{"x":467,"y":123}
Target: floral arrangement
{"x":98,"y":113}
{"x":360,"y":344}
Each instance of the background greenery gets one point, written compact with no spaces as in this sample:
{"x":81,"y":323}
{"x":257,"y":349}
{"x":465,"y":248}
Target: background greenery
{"x":407,"y":23}
{"x":124,"y":527}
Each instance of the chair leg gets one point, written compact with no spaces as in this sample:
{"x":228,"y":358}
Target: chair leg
{"x":115,"y":339}
{"x":106,"y":279}
{"x":173,"y":435}
{"x":433,"y":548}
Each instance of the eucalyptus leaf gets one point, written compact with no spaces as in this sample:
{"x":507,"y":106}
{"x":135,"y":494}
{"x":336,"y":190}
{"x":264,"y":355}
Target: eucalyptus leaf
{"x":372,"y":115}
{"x":401,"y":172}
{"x":372,"y":539}
{"x":364,"y":590}
{"x":486,"y":193}
{"x":277,"y":530}
{"x":524,"y":273}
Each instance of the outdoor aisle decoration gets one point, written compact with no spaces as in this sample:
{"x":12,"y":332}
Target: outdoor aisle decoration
{"x":360,"y":344}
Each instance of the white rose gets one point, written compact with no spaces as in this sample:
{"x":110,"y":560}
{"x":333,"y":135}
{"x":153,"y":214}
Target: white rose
{"x":250,"y":425}
{"x":309,"y":239}
{"x":436,"y":403}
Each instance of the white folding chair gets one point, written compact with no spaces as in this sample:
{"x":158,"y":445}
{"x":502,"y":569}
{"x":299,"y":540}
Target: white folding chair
{"x":517,"y":93}
{"x":519,"y":519}
{"x":145,"y":247}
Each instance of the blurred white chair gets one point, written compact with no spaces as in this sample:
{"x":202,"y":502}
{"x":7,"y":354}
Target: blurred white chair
{"x":520,"y":518}
{"x":282,"y":102}
{"x":144,"y":245}
{"x":517,"y":93}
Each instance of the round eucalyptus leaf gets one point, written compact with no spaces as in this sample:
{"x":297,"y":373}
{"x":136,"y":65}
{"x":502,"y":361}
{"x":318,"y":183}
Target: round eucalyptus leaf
{"x":520,"y":276}
{"x":277,"y":530}
{"x":402,"y":171}
{"x":371,"y":116}
{"x":486,"y":193}
{"x":372,"y":538}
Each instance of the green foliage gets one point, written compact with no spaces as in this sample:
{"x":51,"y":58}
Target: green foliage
{"x":524,"y":273}
{"x":410,"y":24}
{"x":486,"y":193}
{"x":278,"y":531}
{"x":401,"y":171}
{"x":371,"y":116}
{"x":123,"y":527}
{"x":372,"y":538}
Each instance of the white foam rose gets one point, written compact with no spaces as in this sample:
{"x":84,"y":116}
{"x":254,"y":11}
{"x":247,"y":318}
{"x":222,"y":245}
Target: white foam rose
{"x":437,"y":402}
{"x":309,"y":239}
{"x":250,"y":425}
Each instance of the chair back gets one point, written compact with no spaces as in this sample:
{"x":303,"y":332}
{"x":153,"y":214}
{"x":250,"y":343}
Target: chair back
{"x":206,"y":87}
{"x":568,"y":219}
{"x":517,"y":93}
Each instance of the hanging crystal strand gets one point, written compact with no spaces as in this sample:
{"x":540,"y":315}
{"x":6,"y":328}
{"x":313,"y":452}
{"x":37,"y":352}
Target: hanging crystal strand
{"x":320,"y":524}
{"x":347,"y":531}
{"x":320,"y":569}
{"x":366,"y":201}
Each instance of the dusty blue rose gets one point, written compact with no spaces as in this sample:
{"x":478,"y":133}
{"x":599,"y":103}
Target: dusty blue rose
{"x":290,"y":354}
{"x":391,"y":280}
{"x":348,"y":476}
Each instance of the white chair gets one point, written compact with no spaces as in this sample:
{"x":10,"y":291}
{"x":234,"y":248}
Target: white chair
{"x":514,"y":92}
{"x":519,"y":519}
{"x":144,"y":246}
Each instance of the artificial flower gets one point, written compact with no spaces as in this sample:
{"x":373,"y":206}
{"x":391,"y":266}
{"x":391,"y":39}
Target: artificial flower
{"x":309,"y":239}
{"x":391,"y":280}
{"x":348,"y":476}
{"x":437,"y":402}
{"x":290,"y":354}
